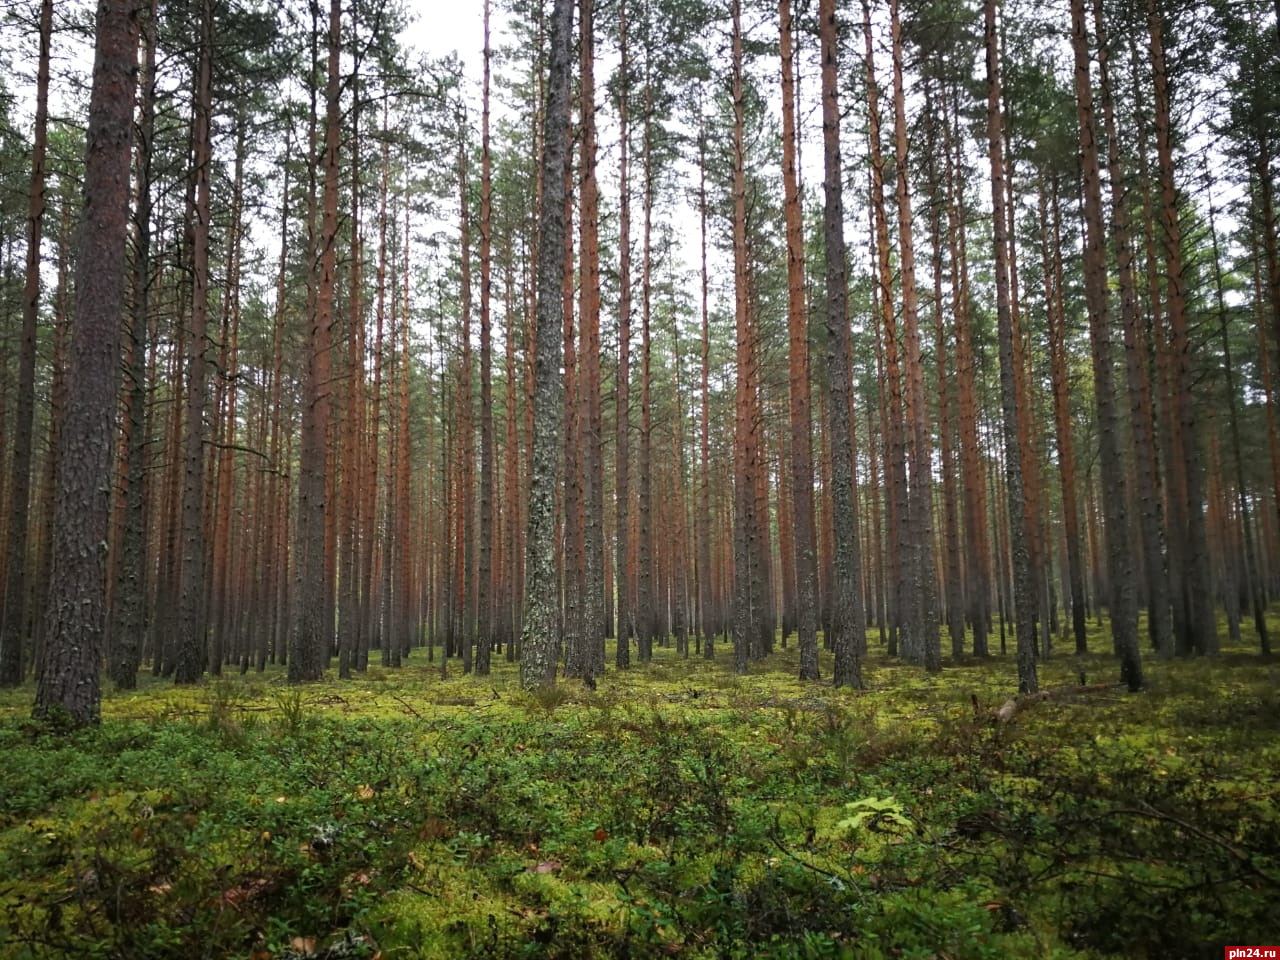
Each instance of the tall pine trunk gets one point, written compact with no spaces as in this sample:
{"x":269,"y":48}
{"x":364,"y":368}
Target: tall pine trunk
{"x":625,"y":616}
{"x":129,"y":629}
{"x":192,"y":627}
{"x":540,"y":633}
{"x":1120,"y":590}
{"x":13,"y":601}
{"x":312,"y":629}
{"x":923,"y":586}
{"x":745,"y":456}
{"x":848,"y":620}
{"x":803,"y":531}
{"x":1196,"y":588}
{"x":1055,"y":308}
{"x":1023,"y":589}
{"x":589,"y":418}
{"x":68,"y":686}
{"x":1151,"y":522}
{"x":484,"y":573}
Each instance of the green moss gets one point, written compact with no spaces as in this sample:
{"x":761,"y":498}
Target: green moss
{"x":675,"y":810}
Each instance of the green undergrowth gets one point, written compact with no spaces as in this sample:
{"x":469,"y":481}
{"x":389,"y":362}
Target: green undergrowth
{"x":675,"y":811}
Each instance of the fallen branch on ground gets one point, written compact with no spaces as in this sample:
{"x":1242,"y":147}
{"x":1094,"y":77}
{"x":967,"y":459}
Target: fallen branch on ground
{"x":1015,"y":705}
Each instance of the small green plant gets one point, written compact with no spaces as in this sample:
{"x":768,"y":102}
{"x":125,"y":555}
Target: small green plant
{"x":839,"y":738}
{"x":292,"y":708}
{"x":869,"y":813}
{"x":225,"y":700}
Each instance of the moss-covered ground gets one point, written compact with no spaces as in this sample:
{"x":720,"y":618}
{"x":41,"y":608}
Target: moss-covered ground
{"x":675,"y":811}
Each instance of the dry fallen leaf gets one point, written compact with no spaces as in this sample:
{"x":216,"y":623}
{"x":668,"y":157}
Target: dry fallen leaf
{"x":238,"y":896}
{"x":546,"y":866}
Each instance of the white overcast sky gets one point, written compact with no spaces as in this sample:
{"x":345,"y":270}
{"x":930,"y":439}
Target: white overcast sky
{"x":442,"y":26}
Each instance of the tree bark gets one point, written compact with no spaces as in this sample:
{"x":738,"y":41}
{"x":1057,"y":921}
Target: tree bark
{"x":192,"y":625}
{"x":646,"y":615}
{"x":1123,"y":609}
{"x":312,"y":629}
{"x":923,"y":586}
{"x":1052,"y":239}
{"x":484,"y":573}
{"x":803,"y":531}
{"x":708,"y":595}
{"x":589,"y":419}
{"x":69,"y":686}
{"x":745,"y":459}
{"x":539,"y":636}
{"x":1023,"y":590}
{"x":13,"y":625}
{"x":977,"y":539}
{"x":622,"y":398}
{"x":899,"y":545}
{"x":848,"y":620}
{"x":1151,"y":519}
{"x":465,"y":492}
{"x":130,"y":627}
{"x":1202,"y":632}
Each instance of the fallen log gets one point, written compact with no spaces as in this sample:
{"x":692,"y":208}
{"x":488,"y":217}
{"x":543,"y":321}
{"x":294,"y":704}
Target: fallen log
{"x":1015,"y":705}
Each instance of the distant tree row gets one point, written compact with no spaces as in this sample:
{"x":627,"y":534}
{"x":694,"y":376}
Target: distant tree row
{"x":325,"y":350}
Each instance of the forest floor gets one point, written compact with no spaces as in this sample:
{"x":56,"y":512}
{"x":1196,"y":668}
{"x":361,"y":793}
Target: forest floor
{"x":675,"y":811}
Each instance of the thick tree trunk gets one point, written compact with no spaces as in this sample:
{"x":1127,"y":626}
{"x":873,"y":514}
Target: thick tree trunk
{"x":803,"y":531}
{"x":923,"y":586}
{"x":848,"y":620}
{"x":312,"y":628}
{"x":189,"y":657}
{"x":539,"y":637}
{"x":350,"y":622}
{"x":69,"y":686}
{"x":129,"y":629}
{"x":573,"y":557}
